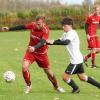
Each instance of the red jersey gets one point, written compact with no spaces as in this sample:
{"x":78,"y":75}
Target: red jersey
{"x":36,"y":35}
{"x":92,"y":22}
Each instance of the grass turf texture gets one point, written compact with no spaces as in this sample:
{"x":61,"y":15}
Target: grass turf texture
{"x":12,"y":49}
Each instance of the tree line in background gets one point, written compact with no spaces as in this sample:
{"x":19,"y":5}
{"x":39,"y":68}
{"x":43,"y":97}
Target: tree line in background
{"x":15,"y":12}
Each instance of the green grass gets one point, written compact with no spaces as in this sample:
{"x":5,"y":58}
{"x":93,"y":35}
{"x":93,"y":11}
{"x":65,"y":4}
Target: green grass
{"x":12,"y":49}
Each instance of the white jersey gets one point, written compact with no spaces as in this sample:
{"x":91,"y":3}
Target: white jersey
{"x":73,"y":47}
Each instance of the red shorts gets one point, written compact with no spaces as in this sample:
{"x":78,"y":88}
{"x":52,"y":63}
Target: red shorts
{"x":93,"y":43}
{"x":41,"y":59}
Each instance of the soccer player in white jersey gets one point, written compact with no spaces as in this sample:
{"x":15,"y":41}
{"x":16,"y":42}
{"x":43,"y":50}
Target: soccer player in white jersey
{"x":71,"y":40}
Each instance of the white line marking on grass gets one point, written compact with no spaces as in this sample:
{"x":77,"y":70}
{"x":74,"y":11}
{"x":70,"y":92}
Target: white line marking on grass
{"x":57,"y":98}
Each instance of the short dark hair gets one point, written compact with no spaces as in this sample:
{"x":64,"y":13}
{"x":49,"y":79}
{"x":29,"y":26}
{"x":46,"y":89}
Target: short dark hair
{"x":40,"y":17}
{"x":67,"y":21}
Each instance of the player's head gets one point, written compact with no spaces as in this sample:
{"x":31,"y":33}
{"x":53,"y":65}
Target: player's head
{"x":40,"y":22}
{"x":96,"y":9}
{"x":67,"y":24}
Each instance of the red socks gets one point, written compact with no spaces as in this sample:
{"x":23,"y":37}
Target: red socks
{"x":53,"y":81}
{"x":91,"y":55}
{"x":93,"y":58}
{"x":26,"y":76}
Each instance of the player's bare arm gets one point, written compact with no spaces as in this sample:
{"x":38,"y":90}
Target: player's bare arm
{"x":50,"y":42}
{"x":4,"y":29}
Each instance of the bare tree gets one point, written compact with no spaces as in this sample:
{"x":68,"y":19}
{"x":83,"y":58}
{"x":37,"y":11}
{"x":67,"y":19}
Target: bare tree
{"x":89,"y":4}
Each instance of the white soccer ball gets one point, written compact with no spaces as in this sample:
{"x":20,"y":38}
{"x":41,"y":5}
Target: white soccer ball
{"x":9,"y":76}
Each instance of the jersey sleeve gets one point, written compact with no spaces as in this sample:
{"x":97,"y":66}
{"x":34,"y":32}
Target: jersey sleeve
{"x":45,"y":33}
{"x":29,"y":25}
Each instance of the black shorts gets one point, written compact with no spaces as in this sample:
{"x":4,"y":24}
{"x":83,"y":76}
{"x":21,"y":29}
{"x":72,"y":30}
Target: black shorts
{"x":75,"y":69}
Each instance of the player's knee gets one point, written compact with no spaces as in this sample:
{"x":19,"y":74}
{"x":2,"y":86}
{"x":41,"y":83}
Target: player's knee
{"x":98,"y":51}
{"x":24,"y":67}
{"x":83,"y":78}
{"x":49,"y":72}
{"x":94,"y":51}
{"x":64,"y":78}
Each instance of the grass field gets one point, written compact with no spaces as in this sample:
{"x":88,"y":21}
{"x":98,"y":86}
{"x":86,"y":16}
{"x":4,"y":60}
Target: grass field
{"x":12,"y":48}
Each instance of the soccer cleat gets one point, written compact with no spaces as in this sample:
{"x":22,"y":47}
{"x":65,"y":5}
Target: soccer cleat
{"x":85,"y":62}
{"x":28,"y":89}
{"x":94,"y":66}
{"x":76,"y":90}
{"x":61,"y":90}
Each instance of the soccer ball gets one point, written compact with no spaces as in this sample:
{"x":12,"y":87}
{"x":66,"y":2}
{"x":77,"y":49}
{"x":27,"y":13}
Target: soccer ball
{"x":9,"y":76}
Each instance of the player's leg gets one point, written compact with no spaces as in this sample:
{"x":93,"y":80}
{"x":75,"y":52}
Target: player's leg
{"x":93,"y":56}
{"x":89,"y":80}
{"x":91,"y":45}
{"x":27,"y":61}
{"x":70,"y":82}
{"x":66,"y":77}
{"x":43,"y":61}
{"x":86,"y":57}
{"x":25,"y":71}
{"x":81,"y":74}
{"x":26,"y":75}
{"x":51,"y":77}
{"x":53,"y":80}
{"x":95,"y":51}
{"x":94,"y":63}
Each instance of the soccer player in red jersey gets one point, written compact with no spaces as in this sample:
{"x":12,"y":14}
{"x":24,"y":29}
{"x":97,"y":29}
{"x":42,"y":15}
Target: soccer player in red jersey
{"x":36,"y":51}
{"x":91,"y":26}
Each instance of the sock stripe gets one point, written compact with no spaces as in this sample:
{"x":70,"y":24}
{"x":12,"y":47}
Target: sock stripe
{"x":69,"y":80}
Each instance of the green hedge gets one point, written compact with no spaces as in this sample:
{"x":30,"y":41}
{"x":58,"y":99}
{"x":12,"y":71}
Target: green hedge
{"x":54,"y":16}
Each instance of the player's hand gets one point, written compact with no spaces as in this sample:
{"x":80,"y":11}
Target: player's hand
{"x":88,"y":37}
{"x":5,"y":29}
{"x":31,"y":49}
{"x":50,"y":41}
